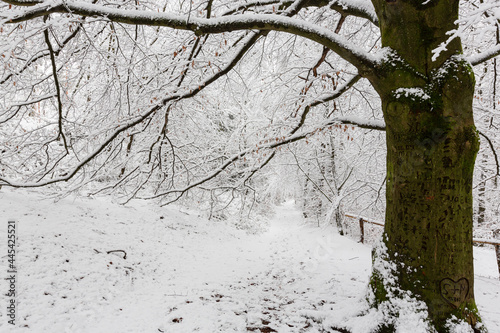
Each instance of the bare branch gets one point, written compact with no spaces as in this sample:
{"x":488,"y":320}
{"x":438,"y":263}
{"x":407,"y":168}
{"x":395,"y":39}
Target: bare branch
{"x":339,"y":91}
{"x":310,"y":179}
{"x":492,"y":147}
{"x":58,"y":89}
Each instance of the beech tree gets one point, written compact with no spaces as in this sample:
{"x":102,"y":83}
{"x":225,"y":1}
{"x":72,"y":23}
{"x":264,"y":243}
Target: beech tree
{"x":57,"y":53}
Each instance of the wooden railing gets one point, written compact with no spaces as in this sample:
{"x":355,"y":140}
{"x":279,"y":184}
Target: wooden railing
{"x":362,"y":220}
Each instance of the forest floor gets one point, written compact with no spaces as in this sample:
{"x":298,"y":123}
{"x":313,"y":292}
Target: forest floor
{"x":183,"y":273}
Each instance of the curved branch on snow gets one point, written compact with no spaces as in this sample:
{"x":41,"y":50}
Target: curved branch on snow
{"x":337,"y":93}
{"x":364,"y":61}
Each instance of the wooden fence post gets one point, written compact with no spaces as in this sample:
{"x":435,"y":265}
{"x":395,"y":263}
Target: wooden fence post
{"x":362,"y":230}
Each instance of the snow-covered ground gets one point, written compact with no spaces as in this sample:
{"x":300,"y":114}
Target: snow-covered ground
{"x":183,"y":273}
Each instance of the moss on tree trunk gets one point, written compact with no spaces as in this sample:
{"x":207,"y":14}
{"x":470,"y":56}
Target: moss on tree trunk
{"x":431,"y":148}
{"x":432,"y":145}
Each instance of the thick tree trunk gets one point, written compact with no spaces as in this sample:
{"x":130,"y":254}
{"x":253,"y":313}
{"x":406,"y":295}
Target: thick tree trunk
{"x":431,"y":149}
{"x":432,"y":145}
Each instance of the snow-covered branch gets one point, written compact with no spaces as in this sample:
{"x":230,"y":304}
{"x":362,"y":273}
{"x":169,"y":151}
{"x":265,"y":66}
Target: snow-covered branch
{"x":485,"y":55}
{"x":136,"y":121}
{"x":360,"y":8}
{"x":355,"y":55}
{"x":481,"y":21}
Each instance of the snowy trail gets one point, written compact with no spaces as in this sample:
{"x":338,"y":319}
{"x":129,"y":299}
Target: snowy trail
{"x":274,"y":292}
{"x":186,"y":274}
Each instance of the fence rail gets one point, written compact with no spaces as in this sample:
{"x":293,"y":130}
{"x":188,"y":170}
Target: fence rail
{"x":362,"y":220}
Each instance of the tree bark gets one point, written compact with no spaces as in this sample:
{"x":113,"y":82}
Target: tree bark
{"x":432,"y":145}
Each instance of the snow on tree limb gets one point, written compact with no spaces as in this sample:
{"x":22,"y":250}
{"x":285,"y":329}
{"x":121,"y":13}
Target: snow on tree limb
{"x":355,"y":55}
{"x":485,"y":17}
{"x":485,"y":56}
{"x":23,"y":2}
{"x":135,"y":121}
{"x":360,"y":8}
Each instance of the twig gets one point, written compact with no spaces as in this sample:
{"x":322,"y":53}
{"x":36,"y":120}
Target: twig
{"x":124,"y":253}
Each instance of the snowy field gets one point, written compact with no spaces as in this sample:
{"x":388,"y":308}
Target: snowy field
{"x":183,"y":273}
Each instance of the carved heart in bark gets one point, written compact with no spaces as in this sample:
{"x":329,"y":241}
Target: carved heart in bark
{"x":454,"y":292}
